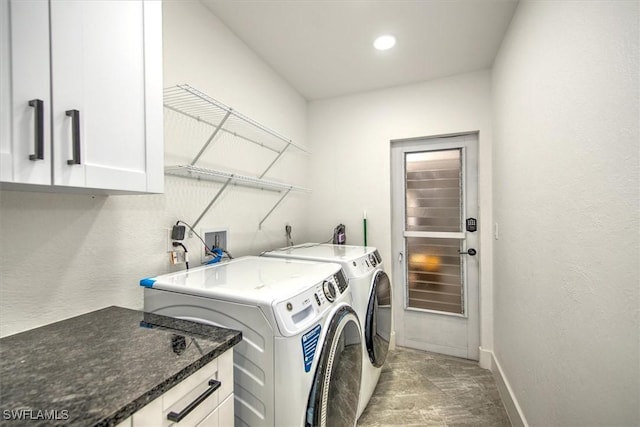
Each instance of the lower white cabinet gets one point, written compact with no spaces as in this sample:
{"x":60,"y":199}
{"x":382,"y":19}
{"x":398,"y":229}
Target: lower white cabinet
{"x":211,"y":404}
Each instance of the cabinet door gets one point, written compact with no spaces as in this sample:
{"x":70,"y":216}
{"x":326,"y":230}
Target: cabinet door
{"x":25,"y":91}
{"x":221,"y":417}
{"x":226,"y":413}
{"x":100,"y":65}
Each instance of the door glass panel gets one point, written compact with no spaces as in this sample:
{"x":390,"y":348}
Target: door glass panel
{"x":434,"y":274}
{"x":433,"y":191}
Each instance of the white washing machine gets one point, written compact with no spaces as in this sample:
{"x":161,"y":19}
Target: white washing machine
{"x":371,"y":289}
{"x":298,"y":363}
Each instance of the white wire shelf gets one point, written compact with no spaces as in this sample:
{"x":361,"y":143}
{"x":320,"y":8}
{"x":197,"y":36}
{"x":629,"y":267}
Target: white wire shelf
{"x":199,"y":106}
{"x":191,"y":102}
{"x":193,"y":172}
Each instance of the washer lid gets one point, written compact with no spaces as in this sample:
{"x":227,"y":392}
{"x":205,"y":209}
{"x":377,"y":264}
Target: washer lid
{"x":248,"y":279}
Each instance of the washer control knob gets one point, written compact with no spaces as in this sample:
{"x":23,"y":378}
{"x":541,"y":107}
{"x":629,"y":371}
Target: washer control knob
{"x":373,"y":260}
{"x":329,"y":290}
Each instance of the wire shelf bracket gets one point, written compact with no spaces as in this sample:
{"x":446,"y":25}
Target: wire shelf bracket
{"x":193,"y":172}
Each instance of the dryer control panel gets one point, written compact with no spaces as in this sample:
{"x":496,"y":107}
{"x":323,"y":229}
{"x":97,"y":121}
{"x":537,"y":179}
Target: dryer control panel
{"x":298,"y":312}
{"x":365,"y":264}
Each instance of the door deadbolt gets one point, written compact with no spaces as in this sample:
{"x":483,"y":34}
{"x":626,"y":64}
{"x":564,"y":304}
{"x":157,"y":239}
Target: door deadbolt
{"x":469,"y":251}
{"x":471,"y":224}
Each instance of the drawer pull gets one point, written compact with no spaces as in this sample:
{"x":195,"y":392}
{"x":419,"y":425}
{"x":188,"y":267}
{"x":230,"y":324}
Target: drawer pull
{"x":38,"y":129}
{"x":176,"y":417}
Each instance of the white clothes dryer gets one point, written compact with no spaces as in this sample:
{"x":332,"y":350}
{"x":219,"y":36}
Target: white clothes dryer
{"x":371,"y":289}
{"x":299,"y":362}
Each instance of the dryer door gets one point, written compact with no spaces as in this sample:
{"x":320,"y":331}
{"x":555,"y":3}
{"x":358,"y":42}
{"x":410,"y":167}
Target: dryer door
{"x":377,"y":328}
{"x":333,"y":400}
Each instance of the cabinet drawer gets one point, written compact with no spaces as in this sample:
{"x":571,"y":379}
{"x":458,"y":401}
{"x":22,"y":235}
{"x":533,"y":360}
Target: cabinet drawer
{"x":195,"y":384}
{"x":185,"y":393}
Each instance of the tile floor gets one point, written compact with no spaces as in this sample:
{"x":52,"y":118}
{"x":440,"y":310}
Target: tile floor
{"x":418,"y":388}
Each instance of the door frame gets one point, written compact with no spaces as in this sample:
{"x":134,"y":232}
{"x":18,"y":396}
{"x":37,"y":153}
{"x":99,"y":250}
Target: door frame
{"x":472,"y":293}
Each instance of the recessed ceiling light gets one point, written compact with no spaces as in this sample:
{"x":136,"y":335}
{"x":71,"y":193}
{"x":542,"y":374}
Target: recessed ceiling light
{"x":384,"y":42}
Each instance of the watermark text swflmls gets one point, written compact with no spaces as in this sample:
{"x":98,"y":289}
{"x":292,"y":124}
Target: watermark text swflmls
{"x":35,"y":414}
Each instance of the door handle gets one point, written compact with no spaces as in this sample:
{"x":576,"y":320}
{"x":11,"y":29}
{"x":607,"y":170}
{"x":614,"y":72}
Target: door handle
{"x":75,"y":136}
{"x":469,"y":251}
{"x":38,"y":129}
{"x":400,"y":256}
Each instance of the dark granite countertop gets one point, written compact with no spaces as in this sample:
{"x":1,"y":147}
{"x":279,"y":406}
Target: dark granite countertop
{"x":99,"y":368}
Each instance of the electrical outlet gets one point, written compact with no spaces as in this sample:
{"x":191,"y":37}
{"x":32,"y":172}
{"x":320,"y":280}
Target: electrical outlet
{"x":177,"y":257}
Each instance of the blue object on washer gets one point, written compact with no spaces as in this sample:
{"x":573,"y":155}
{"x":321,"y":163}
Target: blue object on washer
{"x":217,"y":257}
{"x":148,"y":282}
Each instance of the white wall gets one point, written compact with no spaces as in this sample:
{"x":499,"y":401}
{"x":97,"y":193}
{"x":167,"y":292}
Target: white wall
{"x":566,"y":191}
{"x":203,"y":52}
{"x":350,"y":139}
{"x":64,"y":255}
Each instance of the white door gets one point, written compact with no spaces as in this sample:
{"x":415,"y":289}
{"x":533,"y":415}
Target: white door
{"x":25,"y":140}
{"x":435,"y":209}
{"x":98,"y":81}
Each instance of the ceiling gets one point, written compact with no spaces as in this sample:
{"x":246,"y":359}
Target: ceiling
{"x":323,"y":48}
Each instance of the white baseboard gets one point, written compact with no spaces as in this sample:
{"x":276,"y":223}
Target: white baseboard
{"x":435,"y":348}
{"x":514,"y":411}
{"x":485,"y":359}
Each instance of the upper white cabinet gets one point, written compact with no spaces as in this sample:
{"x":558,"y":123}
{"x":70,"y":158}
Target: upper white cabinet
{"x":84,"y":94}
{"x":25,"y":149}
